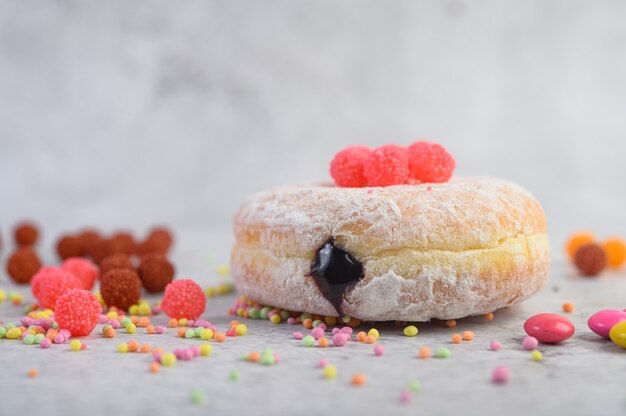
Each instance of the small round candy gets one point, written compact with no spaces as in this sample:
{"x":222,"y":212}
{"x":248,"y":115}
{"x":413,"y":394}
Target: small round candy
{"x":536,"y":355}
{"x":339,"y":339}
{"x":618,"y":334}
{"x":495,"y":345}
{"x":29,"y":339}
{"x":168,"y":359}
{"x":500,"y":374}
{"x":615,"y":249}
{"x":78,"y":310}
{"x":442,"y":353}
{"x":590,"y":259}
{"x":602,"y":322}
{"x":205,"y":349}
{"x":410,"y":331}
{"x":75,"y":345}
{"x":308,"y":341}
{"x":330,"y":372}
{"x":549,"y":328}
{"x":317,"y":332}
{"x":241,"y":329}
{"x":577,"y":240}
{"x":530,"y":343}
{"x":379,"y":350}
{"x":183,"y":299}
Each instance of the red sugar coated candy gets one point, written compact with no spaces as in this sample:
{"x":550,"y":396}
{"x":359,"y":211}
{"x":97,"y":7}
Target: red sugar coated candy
{"x":22,"y":265}
{"x":116,"y":261}
{"x":120,"y":288}
{"x":26,"y":234}
{"x":155,"y":272}
{"x":183,"y":299}
{"x":346,"y":168}
{"x":549,"y":328}
{"x":590,"y":259}
{"x":121,"y":242}
{"x":430,"y":162}
{"x":78,"y":311}
{"x":85,"y":270}
{"x":387,"y":165}
{"x":50,"y":282}
{"x":159,"y":240}
{"x":70,"y":246}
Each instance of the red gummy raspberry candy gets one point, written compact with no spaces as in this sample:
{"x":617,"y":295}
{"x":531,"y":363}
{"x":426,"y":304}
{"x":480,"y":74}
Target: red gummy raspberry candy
{"x":85,"y":270}
{"x":183,"y":299}
{"x":430,"y":162}
{"x":50,"y":282}
{"x":78,"y":311}
{"x":387,"y":165}
{"x":346,"y":167}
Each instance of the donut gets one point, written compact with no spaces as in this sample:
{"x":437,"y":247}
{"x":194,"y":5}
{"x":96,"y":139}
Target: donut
{"x":413,"y":253}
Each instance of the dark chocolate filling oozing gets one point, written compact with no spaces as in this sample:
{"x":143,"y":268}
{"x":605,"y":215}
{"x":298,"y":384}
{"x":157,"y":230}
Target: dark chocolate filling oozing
{"x":334,"y":271}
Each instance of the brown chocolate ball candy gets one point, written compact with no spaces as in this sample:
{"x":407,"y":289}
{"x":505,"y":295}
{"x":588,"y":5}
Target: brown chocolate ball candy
{"x":121,"y":242}
{"x":120,"y":288}
{"x":590,"y":259}
{"x":23,"y":264}
{"x":70,"y":246}
{"x":26,"y":234}
{"x":116,"y":261}
{"x":159,"y":240}
{"x":155,"y":272}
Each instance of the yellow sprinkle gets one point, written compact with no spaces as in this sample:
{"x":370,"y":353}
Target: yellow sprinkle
{"x":144,"y":309}
{"x":3,"y":295}
{"x":183,"y":322}
{"x":133,"y":310}
{"x":410,"y":331}
{"x":122,"y":347}
{"x":223,"y":270}
{"x":14,"y":333}
{"x":206,"y":349}
{"x":373,"y":333}
{"x":536,"y":355}
{"x":330,"y":372}
{"x":206,"y":334}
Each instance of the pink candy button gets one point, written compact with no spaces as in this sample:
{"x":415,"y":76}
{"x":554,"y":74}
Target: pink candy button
{"x":549,"y":328}
{"x":602,"y":322}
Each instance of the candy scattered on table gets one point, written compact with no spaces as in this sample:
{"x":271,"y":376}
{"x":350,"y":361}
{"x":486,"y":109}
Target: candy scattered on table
{"x":501,"y":375}
{"x":549,"y":328}
{"x":601,"y":322}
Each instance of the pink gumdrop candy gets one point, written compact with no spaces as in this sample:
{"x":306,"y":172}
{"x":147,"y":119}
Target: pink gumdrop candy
{"x":530,"y":343}
{"x":549,"y":328}
{"x":602,"y":322}
{"x":500,"y":374}
{"x":340,"y":339}
{"x":317,"y":333}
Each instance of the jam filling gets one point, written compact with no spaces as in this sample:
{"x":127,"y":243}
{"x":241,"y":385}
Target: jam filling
{"x":334,"y":271}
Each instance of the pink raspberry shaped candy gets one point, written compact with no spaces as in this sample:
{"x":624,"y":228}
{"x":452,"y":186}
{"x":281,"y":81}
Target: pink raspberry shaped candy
{"x":85,"y":270}
{"x":387,"y":165}
{"x":346,"y":167}
{"x":183,"y":299}
{"x":78,"y":311}
{"x":430,"y":163}
{"x":50,"y":282}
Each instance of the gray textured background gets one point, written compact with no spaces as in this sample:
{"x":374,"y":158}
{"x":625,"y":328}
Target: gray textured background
{"x":131,"y":113}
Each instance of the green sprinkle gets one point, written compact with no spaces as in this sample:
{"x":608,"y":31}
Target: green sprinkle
{"x":39,"y":338}
{"x":345,"y":319}
{"x":29,"y":339}
{"x":197,"y":331}
{"x":235,"y":375}
{"x":305,"y":315}
{"x":443,"y":353}
{"x":55,"y":325}
{"x":125,"y":321}
{"x":104,"y":328}
{"x":190,"y":333}
{"x":308,"y":341}
{"x":254,"y":313}
{"x":9,"y":326}
{"x":414,"y":386}
{"x":284,"y":315}
{"x":264,"y":311}
{"x":3,"y":332}
{"x":268,"y":359}
{"x":197,"y":397}
{"x":316,"y":323}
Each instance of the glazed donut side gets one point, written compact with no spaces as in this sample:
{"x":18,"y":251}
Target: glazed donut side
{"x":466,"y":247}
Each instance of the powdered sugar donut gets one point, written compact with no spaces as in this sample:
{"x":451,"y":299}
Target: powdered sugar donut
{"x":406,"y":252}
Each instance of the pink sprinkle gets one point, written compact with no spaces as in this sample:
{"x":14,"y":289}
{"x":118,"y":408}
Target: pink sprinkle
{"x":195,"y":350}
{"x":159,"y":329}
{"x":369,"y":191}
{"x":83,"y":346}
{"x":157,"y":356}
{"x":317,"y":333}
{"x":114,"y":323}
{"x":103,"y":319}
{"x":530,"y":343}
{"x":276,"y":358}
{"x":340,"y":339}
{"x":378,"y":350}
{"x":297,"y":335}
{"x":271,"y":313}
{"x":156,"y":310}
{"x":323,"y":326}
{"x":59,"y":339}
{"x":323,"y":362}
{"x":45,"y":343}
{"x":291,"y":321}
{"x":495,"y":345}
{"x":501,"y":374}
{"x":335,"y":330}
{"x":405,"y":396}
{"x":346,"y":330}
{"x":429,"y":188}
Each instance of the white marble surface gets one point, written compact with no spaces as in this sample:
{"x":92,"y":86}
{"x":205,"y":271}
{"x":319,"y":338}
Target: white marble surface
{"x":583,"y":376}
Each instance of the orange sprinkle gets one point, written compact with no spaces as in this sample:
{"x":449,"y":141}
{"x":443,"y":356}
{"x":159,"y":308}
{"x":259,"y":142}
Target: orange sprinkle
{"x":33,"y":373}
{"x":146,"y":348}
{"x":144,"y":322}
{"x":150,"y":329}
{"x":450,"y":323}
{"x":219,"y":337}
{"x":157,"y":350}
{"x":323,"y":342}
{"x":234,"y":322}
{"x":173,"y":323}
{"x":424,"y":352}
{"x":307,"y":323}
{"x":615,"y":249}
{"x":456,"y":338}
{"x":578,"y":240}
{"x":134,"y":319}
{"x":51,"y":334}
{"x":133,"y":346}
{"x":370,"y":339}
{"x":254,"y":356}
{"x":358,"y":379}
{"x":109,"y":333}
{"x":360,"y":336}
{"x":154,"y":367}
{"x":353,"y":323}
{"x":568,"y":307}
{"x":468,"y":335}
{"x":489,"y":316}
{"x":181,"y":332}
